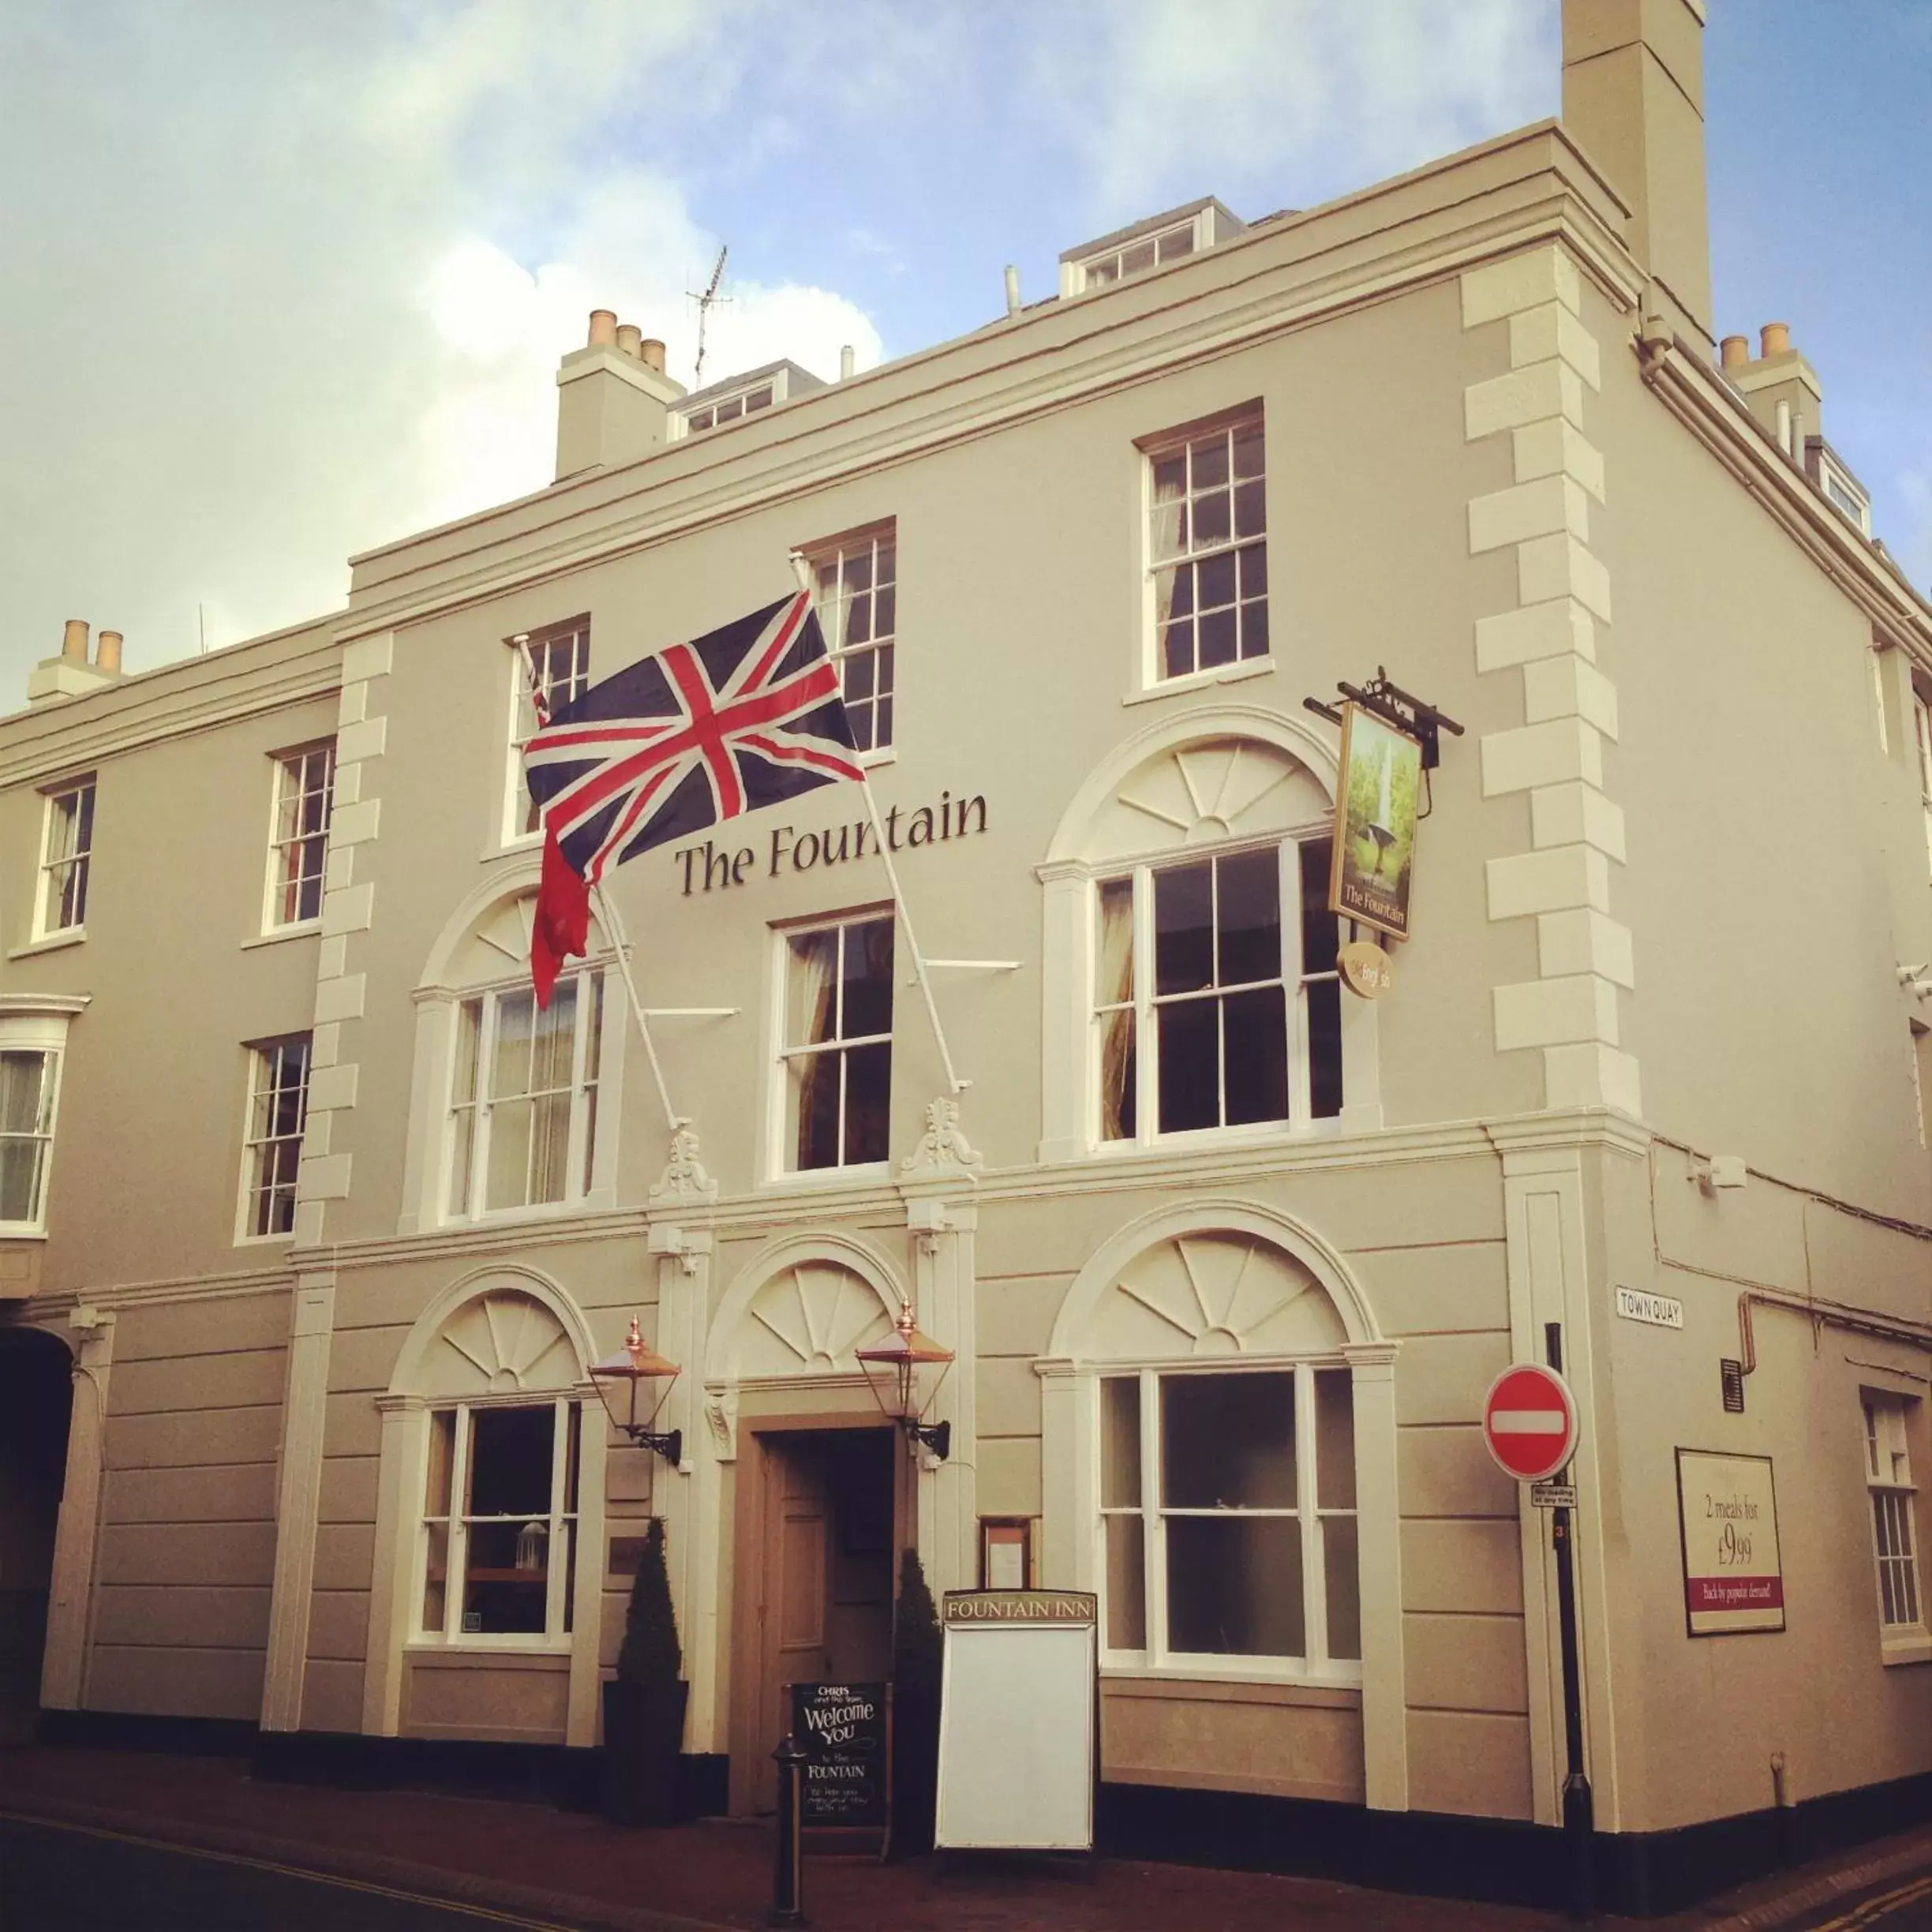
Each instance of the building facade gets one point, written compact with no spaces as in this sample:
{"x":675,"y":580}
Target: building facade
{"x":330,"y":1221}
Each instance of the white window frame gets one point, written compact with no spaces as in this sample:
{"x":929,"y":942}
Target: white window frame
{"x":831,"y":602}
{"x":580,"y":1190}
{"x":1152,"y":451}
{"x":1301,"y":1119}
{"x":57,"y":867}
{"x":293,"y":770}
{"x":734,"y":405}
{"x":264,"y":1061}
{"x":781,"y":1151}
{"x":43,"y":1034}
{"x":557,"y":1635}
{"x":576,"y":633}
{"x":1316,"y":1667}
{"x":1890,"y":1516}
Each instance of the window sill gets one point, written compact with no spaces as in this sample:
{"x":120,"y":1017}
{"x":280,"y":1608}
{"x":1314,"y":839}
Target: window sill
{"x":513,"y":1217}
{"x":1257,"y":1133}
{"x":1245,"y":1684}
{"x":883,"y":756}
{"x":496,"y":1650}
{"x":301,"y":929}
{"x":512,"y":847}
{"x":1910,"y":1647}
{"x":51,"y":942}
{"x":265,"y":1241}
{"x":868,"y":1174}
{"x":1202,"y":680}
{"x":21,"y":1231}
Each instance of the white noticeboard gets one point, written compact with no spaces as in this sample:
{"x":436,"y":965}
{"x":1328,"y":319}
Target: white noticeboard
{"x":1016,"y":1742}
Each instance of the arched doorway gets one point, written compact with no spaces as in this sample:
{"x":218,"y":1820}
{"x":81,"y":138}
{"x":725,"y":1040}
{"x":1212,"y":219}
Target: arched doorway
{"x":36,"y":1394}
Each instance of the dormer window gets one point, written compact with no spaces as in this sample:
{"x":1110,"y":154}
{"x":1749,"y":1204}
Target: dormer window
{"x":1839,"y":487}
{"x":1168,"y":245}
{"x":1150,"y":244}
{"x":728,"y":409}
{"x":739,"y":396}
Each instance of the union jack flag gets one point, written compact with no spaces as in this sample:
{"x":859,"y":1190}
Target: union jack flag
{"x":741,"y":717}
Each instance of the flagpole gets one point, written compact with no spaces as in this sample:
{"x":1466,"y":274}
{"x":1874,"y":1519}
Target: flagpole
{"x":612,"y":925}
{"x":606,"y":912}
{"x":801,"y":569}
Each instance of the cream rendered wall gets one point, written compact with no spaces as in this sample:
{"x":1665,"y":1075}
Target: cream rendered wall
{"x":1763,"y":832}
{"x":1698,"y":1719}
{"x":175,"y":896}
{"x":1020,"y":581}
{"x":186,"y":1535}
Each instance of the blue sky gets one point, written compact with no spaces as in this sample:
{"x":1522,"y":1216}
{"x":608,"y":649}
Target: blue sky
{"x":284,"y":283}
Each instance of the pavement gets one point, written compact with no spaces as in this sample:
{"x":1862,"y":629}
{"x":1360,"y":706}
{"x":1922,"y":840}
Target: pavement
{"x":530,"y":1863}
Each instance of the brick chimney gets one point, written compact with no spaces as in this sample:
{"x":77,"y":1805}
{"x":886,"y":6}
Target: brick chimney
{"x":613,"y":398}
{"x":1632,"y":99}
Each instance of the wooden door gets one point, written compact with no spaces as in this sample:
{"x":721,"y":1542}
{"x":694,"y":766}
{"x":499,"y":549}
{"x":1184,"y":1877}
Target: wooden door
{"x":793,"y":1596}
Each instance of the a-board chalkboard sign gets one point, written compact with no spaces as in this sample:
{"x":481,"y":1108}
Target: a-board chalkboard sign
{"x":846,"y":1730}
{"x":1017,"y":1744}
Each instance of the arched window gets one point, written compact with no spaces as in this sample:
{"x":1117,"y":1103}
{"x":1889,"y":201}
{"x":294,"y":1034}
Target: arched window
{"x":514,"y":1107}
{"x":499,"y":1509}
{"x":1191,"y":980}
{"x":1226,"y":1519}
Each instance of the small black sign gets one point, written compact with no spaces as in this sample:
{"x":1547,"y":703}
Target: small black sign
{"x":843,"y":1729}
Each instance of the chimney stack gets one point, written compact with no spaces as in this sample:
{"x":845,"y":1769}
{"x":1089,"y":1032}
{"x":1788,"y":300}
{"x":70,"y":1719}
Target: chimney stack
{"x":1632,"y":99}
{"x":613,"y":398}
{"x":70,"y":675}
{"x":1780,"y":387}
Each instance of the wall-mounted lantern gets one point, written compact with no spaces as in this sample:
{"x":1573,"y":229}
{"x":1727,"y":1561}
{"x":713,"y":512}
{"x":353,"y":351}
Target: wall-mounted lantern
{"x":637,"y":1363}
{"x":905,"y":1370}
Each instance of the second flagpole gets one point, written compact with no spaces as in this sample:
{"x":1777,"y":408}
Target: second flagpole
{"x":607,"y":913}
{"x":801,"y":569}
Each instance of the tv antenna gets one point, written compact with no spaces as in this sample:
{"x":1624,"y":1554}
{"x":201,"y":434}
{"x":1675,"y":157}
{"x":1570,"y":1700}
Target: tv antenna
{"x":705,"y":302}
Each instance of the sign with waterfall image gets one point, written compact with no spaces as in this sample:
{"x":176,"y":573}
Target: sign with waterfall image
{"x":1375,"y":826}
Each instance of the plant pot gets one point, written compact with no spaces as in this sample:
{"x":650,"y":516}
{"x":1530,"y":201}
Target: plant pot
{"x":643,"y":1732}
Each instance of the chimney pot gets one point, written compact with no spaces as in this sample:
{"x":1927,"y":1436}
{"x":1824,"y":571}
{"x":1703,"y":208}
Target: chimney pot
{"x":847,"y":362}
{"x":74,"y":640}
{"x":603,"y":328}
{"x":1774,"y":339}
{"x":629,"y":337}
{"x":652,"y":351}
{"x":107,"y":651}
{"x":1736,"y":350}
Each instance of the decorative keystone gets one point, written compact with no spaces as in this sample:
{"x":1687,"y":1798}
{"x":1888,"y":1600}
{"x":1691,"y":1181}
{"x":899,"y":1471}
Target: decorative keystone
{"x":943,"y":1148}
{"x":684,"y":1178}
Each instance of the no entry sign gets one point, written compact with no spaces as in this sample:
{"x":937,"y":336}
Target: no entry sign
{"x":1530,"y":1422}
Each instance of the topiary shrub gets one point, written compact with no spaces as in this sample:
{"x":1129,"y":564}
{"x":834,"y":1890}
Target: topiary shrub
{"x":650,"y":1653}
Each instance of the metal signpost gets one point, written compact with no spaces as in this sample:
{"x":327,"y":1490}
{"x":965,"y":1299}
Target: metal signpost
{"x":1530,"y":1426}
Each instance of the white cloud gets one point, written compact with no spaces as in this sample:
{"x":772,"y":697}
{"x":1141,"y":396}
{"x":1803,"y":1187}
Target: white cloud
{"x":285,"y":284}
{"x":1319,"y":96}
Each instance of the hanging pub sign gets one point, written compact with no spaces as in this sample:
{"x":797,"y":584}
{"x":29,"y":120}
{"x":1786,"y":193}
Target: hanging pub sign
{"x":1727,"y":1515}
{"x":1375,"y":822}
{"x":845,"y":1730}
